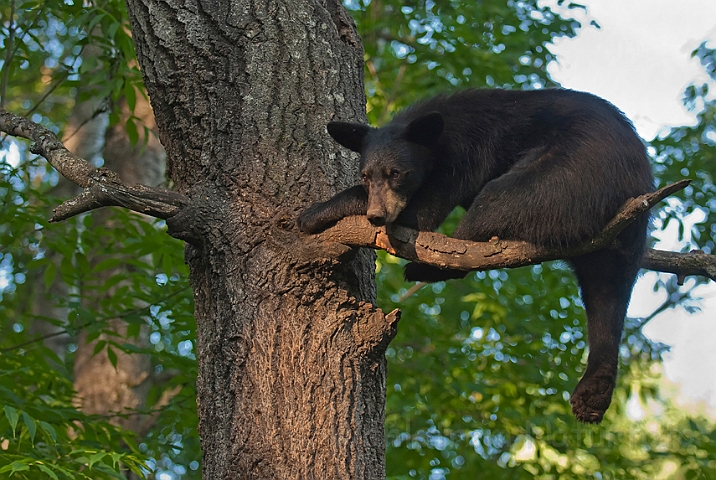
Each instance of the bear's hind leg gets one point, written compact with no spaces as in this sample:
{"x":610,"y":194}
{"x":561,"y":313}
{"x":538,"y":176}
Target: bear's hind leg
{"x":606,"y":278}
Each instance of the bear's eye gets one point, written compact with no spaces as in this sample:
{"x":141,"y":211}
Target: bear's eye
{"x":364,"y":179}
{"x":394,"y":174}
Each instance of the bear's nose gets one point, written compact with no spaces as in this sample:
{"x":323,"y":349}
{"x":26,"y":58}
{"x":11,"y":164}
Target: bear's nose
{"x":377,"y":221}
{"x":376,"y":216}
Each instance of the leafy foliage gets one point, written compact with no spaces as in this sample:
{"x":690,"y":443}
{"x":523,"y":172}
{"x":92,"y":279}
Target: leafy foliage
{"x":418,"y":49}
{"x":83,"y":50}
{"x":690,"y":151}
{"x":42,"y":429}
{"x":43,"y":433}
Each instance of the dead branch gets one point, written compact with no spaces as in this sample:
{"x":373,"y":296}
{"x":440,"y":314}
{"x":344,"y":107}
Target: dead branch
{"x":102,"y":187}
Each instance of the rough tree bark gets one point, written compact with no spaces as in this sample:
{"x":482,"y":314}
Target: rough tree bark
{"x":290,"y":350}
{"x":439,"y":250}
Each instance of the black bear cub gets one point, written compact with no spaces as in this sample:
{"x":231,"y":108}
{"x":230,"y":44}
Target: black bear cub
{"x":550,"y":167}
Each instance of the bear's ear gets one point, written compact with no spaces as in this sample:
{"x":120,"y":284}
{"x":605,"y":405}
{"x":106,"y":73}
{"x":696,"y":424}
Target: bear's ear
{"x":425,"y":130}
{"x":350,"y":135}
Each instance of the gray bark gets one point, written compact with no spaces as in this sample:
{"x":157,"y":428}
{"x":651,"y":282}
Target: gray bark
{"x":290,"y":348}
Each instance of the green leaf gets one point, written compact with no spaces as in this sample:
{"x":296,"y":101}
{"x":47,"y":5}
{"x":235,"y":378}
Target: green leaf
{"x":116,"y":457}
{"x":133,"y":330}
{"x":107,"y":264}
{"x":134,"y":465}
{"x":167,"y":264}
{"x":95,"y":20}
{"x":49,"y":274}
{"x":88,"y":222}
{"x":125,"y":44}
{"x":18,"y":466}
{"x":27,"y":5}
{"x":67,"y":269}
{"x":113,"y":118}
{"x":130,"y":348}
{"x":112,"y":357}
{"x":98,"y":347}
{"x":49,"y":429}
{"x":31,"y":426}
{"x":49,"y":472}
{"x":112,"y":281}
{"x":96,"y":458}
{"x":131,"y":128}
{"x":112,"y":29}
{"x":12,"y":417}
{"x":92,"y":336}
{"x":89,"y":63}
{"x":82,"y":263}
{"x":130,"y":94}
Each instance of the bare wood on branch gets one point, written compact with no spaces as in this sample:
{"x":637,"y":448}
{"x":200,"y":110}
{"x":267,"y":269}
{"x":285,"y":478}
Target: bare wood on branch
{"x":696,"y":262}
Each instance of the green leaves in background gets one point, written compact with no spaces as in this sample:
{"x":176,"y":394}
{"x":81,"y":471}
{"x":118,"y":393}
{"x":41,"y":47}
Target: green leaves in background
{"x":56,"y":52}
{"x":417,"y":49}
{"x":42,"y":433}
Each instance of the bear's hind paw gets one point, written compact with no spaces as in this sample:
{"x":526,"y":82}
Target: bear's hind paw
{"x":592,"y":397}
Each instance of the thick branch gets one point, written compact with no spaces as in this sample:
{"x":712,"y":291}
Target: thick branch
{"x":45,"y":143}
{"x":441,"y":251}
{"x":102,"y":187}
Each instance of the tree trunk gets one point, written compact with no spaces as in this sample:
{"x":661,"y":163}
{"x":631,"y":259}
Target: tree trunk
{"x":290,"y":349}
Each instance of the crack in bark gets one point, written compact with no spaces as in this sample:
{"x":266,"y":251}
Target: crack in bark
{"x":344,"y":24}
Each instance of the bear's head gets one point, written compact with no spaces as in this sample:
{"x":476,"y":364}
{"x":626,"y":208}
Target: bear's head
{"x":394,"y":160}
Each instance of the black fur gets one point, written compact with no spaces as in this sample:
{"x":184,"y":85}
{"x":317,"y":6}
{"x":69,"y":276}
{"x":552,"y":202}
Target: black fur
{"x":550,"y":167}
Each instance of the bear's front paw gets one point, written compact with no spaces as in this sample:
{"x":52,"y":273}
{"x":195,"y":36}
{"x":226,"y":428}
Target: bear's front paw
{"x":593,"y":395}
{"x":310,"y":220}
{"x":419,"y":272}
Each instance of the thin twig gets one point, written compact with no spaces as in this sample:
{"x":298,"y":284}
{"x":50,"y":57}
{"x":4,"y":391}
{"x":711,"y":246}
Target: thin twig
{"x":411,"y":291}
{"x":102,"y":108}
{"x":52,"y":88}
